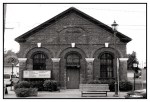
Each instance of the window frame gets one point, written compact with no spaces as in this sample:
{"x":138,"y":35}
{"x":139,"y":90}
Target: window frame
{"x":106,"y":65}
{"x":39,"y":60}
{"x":73,"y":56}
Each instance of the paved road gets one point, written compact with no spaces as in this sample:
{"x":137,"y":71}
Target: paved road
{"x":68,"y":93}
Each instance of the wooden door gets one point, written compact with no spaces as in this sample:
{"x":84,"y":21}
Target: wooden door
{"x":72,"y":78}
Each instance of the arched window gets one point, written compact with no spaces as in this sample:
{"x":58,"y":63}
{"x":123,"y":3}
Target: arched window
{"x":39,"y":61}
{"x":73,"y":59}
{"x":106,"y":66}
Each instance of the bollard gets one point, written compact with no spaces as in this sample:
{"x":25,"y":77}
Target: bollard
{"x":6,"y":91}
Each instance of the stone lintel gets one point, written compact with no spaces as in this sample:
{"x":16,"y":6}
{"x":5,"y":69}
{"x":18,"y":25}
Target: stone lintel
{"x":55,"y":59}
{"x":22,"y":59}
{"x":123,"y":59}
{"x":89,"y":59}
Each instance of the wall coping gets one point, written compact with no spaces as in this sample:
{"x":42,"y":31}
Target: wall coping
{"x":89,"y":59}
{"x":123,"y":59}
{"x":22,"y":59}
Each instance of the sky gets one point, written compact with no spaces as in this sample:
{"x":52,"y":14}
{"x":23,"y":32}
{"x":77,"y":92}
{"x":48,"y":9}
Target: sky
{"x":131,"y":18}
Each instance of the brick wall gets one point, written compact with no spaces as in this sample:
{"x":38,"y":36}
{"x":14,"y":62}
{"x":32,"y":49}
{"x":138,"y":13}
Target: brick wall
{"x":57,"y":37}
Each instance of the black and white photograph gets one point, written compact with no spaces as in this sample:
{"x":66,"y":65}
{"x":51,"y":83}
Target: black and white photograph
{"x":75,"y":51}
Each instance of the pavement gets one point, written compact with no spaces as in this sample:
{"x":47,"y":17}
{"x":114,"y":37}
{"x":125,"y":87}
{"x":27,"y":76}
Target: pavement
{"x":66,"y":94}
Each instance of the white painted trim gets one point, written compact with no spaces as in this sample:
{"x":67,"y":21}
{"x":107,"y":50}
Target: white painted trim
{"x":39,"y":44}
{"x":123,"y":59}
{"x":106,"y":44}
{"x":55,"y":59}
{"x":73,"y":44}
{"x":22,"y":59}
{"x":89,"y":59}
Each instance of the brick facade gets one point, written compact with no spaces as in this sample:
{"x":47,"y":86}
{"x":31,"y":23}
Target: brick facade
{"x":56,"y":38}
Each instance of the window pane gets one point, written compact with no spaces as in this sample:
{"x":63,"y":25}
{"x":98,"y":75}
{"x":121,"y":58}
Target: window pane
{"x":73,"y":59}
{"x":39,"y":61}
{"x":106,"y":66}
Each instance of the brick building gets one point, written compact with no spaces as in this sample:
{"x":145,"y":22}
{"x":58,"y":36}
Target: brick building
{"x":90,"y":59}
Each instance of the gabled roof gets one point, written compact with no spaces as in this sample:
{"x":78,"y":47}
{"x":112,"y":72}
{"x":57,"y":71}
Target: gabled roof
{"x":23,"y":37}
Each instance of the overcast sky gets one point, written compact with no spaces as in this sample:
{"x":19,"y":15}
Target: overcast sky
{"x":131,"y":19}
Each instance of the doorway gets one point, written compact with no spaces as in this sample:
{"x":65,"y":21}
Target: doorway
{"x":72,"y":77}
{"x":73,"y":70}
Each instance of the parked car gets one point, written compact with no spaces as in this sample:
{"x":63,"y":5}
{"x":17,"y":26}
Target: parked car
{"x":9,"y":80}
{"x":137,"y":94}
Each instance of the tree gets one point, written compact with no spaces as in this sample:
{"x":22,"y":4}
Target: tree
{"x":7,"y":55}
{"x":131,"y":59}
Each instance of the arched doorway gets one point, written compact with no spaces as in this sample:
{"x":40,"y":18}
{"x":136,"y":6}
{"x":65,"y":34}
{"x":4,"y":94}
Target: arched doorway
{"x":70,"y":54}
{"x":73,"y":70}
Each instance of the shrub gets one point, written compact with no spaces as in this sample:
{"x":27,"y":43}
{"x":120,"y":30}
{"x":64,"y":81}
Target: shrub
{"x":22,"y":92}
{"x":106,"y":80}
{"x":33,"y":91}
{"x":112,"y":86}
{"x":22,"y":84}
{"x":94,"y":82}
{"x":123,"y":86}
{"x":26,"y":92}
{"x":50,"y":85}
{"x":38,"y":85}
{"x":144,"y":95}
{"x":101,"y":81}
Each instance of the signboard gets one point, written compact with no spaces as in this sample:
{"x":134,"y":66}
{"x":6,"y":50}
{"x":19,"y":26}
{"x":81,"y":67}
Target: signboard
{"x":130,"y":75}
{"x":12,"y":59}
{"x":143,"y":74}
{"x":37,"y":74}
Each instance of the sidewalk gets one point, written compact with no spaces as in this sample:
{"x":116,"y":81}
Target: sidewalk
{"x":68,"y":93}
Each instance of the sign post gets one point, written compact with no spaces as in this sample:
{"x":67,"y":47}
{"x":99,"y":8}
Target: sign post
{"x":13,"y":60}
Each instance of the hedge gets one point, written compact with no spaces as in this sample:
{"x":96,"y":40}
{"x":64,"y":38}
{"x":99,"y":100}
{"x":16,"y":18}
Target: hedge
{"x":24,"y":89}
{"x":26,"y":92}
{"x":38,"y":85}
{"x":50,"y":85}
{"x":123,"y":86}
{"x":22,"y":84}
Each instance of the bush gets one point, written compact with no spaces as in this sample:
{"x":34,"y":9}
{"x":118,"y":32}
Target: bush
{"x":22,"y":84}
{"x":106,"y":81}
{"x":94,"y":82}
{"x":123,"y":86}
{"x":101,"y":81}
{"x":33,"y":91}
{"x":22,"y":92}
{"x":23,"y":89}
{"x":144,"y":95}
{"x":112,"y":86}
{"x":50,"y":85}
{"x":26,"y":92}
{"x":38,"y":85}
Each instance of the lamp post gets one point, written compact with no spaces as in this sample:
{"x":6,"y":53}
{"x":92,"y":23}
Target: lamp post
{"x":135,"y":65}
{"x":13,"y":61}
{"x":114,"y":27}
